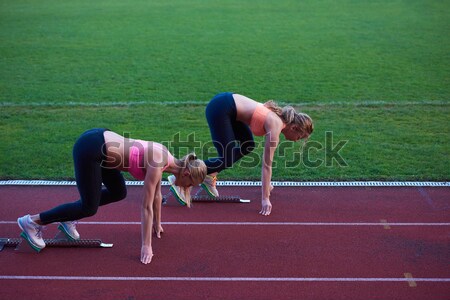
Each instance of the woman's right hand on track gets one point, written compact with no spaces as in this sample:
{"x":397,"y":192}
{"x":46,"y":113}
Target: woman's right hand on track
{"x":146,"y":254}
{"x":266,"y":207}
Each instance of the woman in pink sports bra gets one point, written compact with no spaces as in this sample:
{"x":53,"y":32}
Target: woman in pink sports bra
{"x":100,"y":156}
{"x":233,"y":117}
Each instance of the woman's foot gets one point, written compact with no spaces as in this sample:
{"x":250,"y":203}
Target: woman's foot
{"x":209,"y":185}
{"x":32,"y":232}
{"x":70,"y":230}
{"x":183,"y":195}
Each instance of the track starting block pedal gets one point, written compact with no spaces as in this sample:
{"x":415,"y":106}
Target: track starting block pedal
{"x":229,"y":199}
{"x":202,"y":196}
{"x":22,"y":245}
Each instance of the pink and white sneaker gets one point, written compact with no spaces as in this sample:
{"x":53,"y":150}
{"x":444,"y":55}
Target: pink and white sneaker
{"x":70,"y":230}
{"x":31,"y":232}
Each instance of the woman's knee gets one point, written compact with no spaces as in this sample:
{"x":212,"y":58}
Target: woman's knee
{"x":88,"y":212}
{"x":116,"y":191}
{"x":120,"y":194}
{"x":116,"y":194}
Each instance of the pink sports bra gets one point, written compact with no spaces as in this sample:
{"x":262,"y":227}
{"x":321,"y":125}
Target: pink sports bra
{"x":258,"y":119}
{"x":138,"y":151}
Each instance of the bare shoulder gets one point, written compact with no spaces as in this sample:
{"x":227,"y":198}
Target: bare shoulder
{"x":273,"y":123}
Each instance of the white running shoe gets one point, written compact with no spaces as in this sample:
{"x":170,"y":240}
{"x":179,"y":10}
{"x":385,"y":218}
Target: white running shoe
{"x":183,"y":195}
{"x":171,"y":179}
{"x":209,"y":185}
{"x":70,"y":230}
{"x":31,"y":232}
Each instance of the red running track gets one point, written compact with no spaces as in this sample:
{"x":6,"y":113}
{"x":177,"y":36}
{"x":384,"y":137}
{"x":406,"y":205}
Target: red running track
{"x":319,"y":243}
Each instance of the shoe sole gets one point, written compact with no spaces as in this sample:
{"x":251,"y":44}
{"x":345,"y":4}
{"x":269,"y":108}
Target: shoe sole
{"x":207,"y":190}
{"x":179,"y":199}
{"x":66,"y":233}
{"x":25,"y":236}
{"x":36,"y":248}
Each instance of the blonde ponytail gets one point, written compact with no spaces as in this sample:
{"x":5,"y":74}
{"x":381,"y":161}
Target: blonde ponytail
{"x":196,"y":167}
{"x":289,"y":116}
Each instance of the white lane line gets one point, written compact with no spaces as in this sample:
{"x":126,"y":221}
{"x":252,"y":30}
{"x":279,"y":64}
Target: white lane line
{"x":255,"y":183}
{"x":262,"y":223}
{"x":411,"y":280}
{"x":261,"y":279}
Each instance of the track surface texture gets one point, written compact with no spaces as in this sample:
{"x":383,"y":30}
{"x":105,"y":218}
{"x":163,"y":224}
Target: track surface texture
{"x":318,"y":243}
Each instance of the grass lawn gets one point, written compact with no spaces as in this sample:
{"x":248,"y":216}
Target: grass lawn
{"x":329,"y":50}
{"x":403,"y":142}
{"x":374,"y":76}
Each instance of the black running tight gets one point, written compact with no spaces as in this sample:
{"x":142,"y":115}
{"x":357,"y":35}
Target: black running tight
{"x":225,"y":131}
{"x":88,"y":153}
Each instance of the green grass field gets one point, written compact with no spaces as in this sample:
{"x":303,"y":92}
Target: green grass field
{"x":373,"y":74}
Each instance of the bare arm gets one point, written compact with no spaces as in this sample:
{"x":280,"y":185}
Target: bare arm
{"x":157,"y":211}
{"x":270,"y":145}
{"x":152,"y":177}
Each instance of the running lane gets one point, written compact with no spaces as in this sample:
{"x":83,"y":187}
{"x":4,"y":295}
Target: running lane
{"x":320,"y":243}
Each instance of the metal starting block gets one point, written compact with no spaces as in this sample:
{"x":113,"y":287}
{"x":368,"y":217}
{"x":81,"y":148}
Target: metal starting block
{"x":60,"y":241}
{"x":229,"y":199}
{"x":202,"y":196}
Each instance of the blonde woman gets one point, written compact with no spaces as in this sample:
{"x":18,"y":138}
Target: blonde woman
{"x":99,"y":157}
{"x":233,"y":117}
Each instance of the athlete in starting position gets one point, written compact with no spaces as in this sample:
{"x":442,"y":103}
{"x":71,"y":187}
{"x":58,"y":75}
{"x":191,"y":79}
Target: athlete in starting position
{"x":99,"y":157}
{"x":233,"y":117}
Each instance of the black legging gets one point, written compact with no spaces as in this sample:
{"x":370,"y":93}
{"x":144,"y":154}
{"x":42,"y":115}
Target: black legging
{"x":225,"y":131}
{"x":88,"y":153}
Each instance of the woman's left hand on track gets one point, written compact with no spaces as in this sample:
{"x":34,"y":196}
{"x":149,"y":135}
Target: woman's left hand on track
{"x":157,"y":229}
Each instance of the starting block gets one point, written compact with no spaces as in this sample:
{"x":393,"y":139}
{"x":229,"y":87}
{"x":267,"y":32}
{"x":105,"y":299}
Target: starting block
{"x":60,"y":241}
{"x":202,"y":196}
